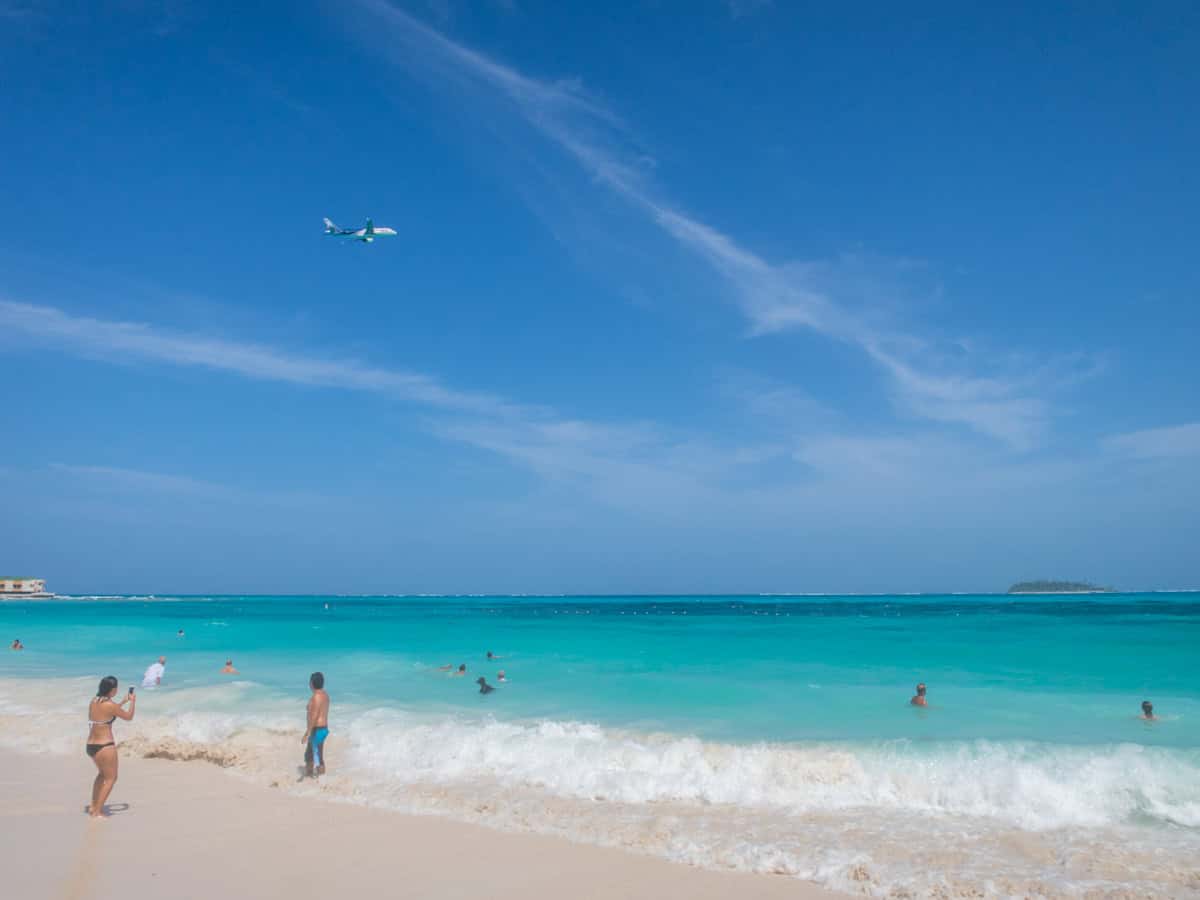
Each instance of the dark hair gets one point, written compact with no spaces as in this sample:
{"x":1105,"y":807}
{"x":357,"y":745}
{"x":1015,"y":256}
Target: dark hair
{"x":1146,"y":704}
{"x":462,"y":667}
{"x":317,"y":680}
{"x":108,"y":684}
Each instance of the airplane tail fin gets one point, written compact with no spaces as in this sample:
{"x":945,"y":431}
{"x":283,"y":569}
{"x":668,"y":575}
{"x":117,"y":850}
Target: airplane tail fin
{"x":330,"y":228}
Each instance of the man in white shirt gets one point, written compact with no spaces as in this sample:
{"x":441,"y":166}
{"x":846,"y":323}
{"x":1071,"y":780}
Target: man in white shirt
{"x":154,"y":673}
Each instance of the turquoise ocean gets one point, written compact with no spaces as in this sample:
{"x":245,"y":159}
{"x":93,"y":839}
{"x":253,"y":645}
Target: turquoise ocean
{"x":762,"y":733}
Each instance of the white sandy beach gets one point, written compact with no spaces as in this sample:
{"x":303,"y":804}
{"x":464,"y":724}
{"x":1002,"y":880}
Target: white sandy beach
{"x":190,"y":830}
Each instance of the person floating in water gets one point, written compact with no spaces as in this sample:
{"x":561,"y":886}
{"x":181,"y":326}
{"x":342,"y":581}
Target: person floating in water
{"x":229,"y":669}
{"x":484,"y":687}
{"x":1148,"y":711}
{"x":500,"y":677}
{"x":179,"y":633}
{"x":491,"y":656}
{"x":317,"y":729}
{"x":919,"y":698}
{"x":461,"y":670}
{"x":17,"y":645}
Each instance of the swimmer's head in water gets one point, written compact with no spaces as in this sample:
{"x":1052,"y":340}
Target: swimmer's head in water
{"x":108,"y":686}
{"x":462,"y":667}
{"x":317,"y":680}
{"x":229,"y":662}
{"x":1147,"y":708}
{"x":921,"y":689}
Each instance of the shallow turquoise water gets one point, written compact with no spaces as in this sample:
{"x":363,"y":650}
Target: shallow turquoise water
{"x":1069,"y":670}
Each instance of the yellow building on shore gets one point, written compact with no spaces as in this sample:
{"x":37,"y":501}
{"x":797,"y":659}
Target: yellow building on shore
{"x":22,"y":586}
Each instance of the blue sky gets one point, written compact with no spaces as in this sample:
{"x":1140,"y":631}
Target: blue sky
{"x":717,"y":296}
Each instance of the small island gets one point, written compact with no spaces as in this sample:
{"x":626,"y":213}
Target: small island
{"x":1058,"y":587}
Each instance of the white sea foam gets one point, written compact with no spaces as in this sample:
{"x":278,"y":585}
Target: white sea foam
{"x":955,"y":818}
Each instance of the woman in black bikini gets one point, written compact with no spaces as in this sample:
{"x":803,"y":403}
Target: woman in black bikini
{"x":102,"y":712}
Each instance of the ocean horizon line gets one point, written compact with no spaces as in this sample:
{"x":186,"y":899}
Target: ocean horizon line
{"x":633,"y":595}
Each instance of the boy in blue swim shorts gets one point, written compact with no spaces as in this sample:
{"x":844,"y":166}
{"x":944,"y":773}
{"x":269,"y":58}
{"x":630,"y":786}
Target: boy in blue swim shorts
{"x":318,"y":727}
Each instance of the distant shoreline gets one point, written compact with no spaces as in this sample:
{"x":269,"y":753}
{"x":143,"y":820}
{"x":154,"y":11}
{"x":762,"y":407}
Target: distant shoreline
{"x":1059,"y":586}
{"x":764,"y":597}
{"x":1095,"y":591}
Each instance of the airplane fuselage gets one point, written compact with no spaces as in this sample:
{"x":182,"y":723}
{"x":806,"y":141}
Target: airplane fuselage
{"x":366,"y":234}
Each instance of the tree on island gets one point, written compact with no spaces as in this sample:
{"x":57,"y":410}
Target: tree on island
{"x":1058,"y":587}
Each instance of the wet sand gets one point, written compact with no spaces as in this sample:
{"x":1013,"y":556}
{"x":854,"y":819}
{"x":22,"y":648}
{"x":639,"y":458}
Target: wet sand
{"x":191,"y":830}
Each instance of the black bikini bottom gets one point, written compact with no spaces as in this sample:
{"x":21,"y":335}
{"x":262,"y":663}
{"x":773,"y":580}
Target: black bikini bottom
{"x":93,"y":749}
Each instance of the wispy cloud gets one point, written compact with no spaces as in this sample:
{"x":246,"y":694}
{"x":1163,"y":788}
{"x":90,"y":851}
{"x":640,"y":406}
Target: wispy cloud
{"x":864,"y":457}
{"x":149,"y":481}
{"x":778,"y":403}
{"x":182,"y":492}
{"x":997,"y":407}
{"x":631,"y":464}
{"x":772,"y":297}
{"x":125,"y":341}
{"x":1157,"y":443}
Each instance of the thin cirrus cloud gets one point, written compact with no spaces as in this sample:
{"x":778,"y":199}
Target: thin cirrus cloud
{"x":102,"y":338}
{"x":183,"y":487}
{"x":636,"y":466}
{"x":772,"y":298}
{"x":1173,"y":442}
{"x":642,"y":458}
{"x":156,"y":482}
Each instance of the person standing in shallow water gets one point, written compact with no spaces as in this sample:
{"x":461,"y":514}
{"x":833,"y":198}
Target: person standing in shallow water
{"x":919,"y":698}
{"x":155,"y":673}
{"x":102,"y":712}
{"x":318,"y":727}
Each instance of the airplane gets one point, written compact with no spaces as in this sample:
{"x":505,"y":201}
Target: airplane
{"x":366,"y":234}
